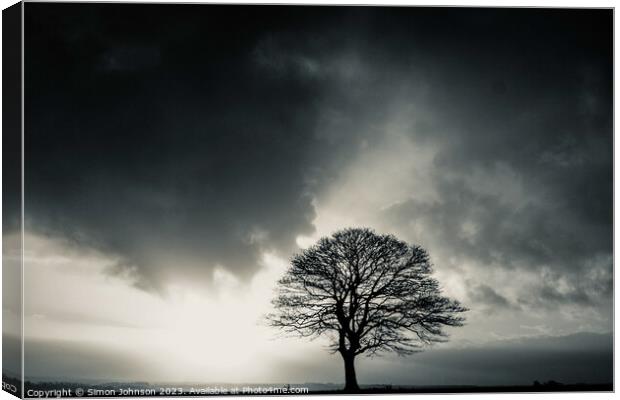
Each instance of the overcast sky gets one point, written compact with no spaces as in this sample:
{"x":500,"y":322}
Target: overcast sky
{"x":177,"y":156}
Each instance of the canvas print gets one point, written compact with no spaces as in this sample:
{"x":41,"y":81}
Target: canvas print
{"x":290,"y":200}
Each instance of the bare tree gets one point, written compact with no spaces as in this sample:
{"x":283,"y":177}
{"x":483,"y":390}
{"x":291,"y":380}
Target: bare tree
{"x":368,"y":293}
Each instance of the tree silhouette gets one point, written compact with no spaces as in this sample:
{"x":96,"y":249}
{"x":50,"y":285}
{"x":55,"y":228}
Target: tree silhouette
{"x":368,"y":293}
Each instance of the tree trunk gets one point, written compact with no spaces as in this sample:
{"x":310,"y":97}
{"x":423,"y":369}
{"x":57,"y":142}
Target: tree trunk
{"x":349,"y":374}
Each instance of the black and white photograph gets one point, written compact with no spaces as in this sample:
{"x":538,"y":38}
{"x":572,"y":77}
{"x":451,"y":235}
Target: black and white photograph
{"x":297,"y":199}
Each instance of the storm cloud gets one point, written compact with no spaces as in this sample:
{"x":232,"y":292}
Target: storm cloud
{"x":207,"y":136}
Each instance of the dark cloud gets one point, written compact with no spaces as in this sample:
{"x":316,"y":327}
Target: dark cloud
{"x":542,"y":238}
{"x":519,"y":110}
{"x":130,"y":58}
{"x":180,"y":144}
{"x":184,"y":159}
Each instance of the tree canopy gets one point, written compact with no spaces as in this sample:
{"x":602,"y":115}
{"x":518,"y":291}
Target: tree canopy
{"x":369,"y":293}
